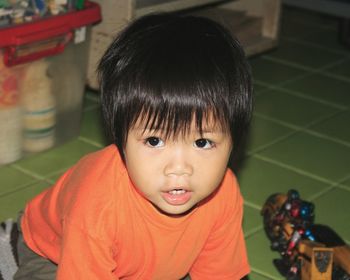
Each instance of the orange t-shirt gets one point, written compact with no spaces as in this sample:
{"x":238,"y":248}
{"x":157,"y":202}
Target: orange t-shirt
{"x":95,"y":225}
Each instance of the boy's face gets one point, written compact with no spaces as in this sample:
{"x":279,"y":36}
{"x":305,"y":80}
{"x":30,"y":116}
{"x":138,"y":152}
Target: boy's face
{"x":177,"y":173}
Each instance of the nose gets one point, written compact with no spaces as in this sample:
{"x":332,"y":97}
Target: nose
{"x":178,"y":163}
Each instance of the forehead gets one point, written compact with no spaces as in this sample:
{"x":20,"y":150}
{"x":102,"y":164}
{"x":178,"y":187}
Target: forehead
{"x":208,"y":123}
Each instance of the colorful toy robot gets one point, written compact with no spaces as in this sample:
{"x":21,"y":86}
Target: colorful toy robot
{"x":308,"y":250}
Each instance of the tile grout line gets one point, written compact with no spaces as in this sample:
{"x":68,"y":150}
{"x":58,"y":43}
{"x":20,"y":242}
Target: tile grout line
{"x":292,"y":168}
{"x":296,"y":129}
{"x":320,"y":120}
{"x":251,"y":205}
{"x":308,"y":97}
{"x":91,"y":142}
{"x":273,"y":142}
{"x":39,"y":178}
{"x":314,"y":45}
{"x":269,"y":87}
{"x":54,"y":173}
{"x":19,"y":188}
{"x":343,"y":187}
{"x":341,"y":181}
{"x":287,"y":63}
{"x":27,"y":172}
{"x":312,"y":24}
{"x":335,"y":76}
{"x":323,"y":192}
{"x":57,"y":172}
{"x":45,"y":178}
{"x":253,"y":231}
{"x":280,"y":86}
{"x":333,"y":186}
{"x":326,"y":137}
{"x":310,"y":70}
{"x":36,"y":179}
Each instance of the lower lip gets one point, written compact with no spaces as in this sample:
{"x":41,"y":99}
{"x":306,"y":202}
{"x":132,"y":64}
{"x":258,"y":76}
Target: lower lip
{"x":177,"y":199}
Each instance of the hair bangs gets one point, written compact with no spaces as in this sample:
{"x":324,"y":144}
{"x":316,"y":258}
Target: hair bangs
{"x":163,"y":101}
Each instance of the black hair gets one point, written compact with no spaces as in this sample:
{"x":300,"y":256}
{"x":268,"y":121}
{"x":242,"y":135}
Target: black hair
{"x":172,"y":69}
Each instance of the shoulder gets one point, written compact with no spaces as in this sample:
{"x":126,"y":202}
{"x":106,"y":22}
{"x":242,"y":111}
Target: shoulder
{"x":91,"y":185}
{"x":100,"y":159}
{"x":102,"y":165}
{"x":94,"y":169}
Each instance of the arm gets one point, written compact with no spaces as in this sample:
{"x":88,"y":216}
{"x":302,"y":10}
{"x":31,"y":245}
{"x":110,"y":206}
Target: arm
{"x":85,"y":257}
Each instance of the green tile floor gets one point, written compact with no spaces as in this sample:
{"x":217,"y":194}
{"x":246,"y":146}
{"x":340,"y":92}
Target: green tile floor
{"x":300,"y":135}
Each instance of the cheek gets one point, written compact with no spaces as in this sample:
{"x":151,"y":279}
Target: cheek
{"x":142,"y":171}
{"x":216,"y":175}
{"x":137,"y":170}
{"x":212,"y":171}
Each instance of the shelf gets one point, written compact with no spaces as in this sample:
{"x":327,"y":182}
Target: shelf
{"x":254,"y":22}
{"x":339,"y":8}
{"x":150,"y":6}
{"x":248,"y":29}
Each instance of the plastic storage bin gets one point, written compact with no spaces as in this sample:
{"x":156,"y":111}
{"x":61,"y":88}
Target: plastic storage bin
{"x":43,"y":67}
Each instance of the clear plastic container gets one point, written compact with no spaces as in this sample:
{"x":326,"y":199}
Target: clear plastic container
{"x":43,"y":68}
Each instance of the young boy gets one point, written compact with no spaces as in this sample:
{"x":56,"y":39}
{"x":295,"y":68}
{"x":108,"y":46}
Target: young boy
{"x":160,"y":203}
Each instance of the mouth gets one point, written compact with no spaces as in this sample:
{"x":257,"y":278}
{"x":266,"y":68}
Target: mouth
{"x":177,"y":196}
{"x":177,"y":191}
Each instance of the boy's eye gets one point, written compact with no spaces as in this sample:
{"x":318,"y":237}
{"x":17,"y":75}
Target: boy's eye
{"x":203,"y":143}
{"x":154,"y":142}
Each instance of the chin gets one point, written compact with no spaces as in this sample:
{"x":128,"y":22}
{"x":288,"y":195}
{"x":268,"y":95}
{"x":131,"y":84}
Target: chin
{"x":176,"y":211}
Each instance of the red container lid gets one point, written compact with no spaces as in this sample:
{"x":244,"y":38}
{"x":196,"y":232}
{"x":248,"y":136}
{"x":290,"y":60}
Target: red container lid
{"x":44,"y":29}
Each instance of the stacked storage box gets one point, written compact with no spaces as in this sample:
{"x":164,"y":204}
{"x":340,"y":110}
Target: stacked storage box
{"x":43,"y":64}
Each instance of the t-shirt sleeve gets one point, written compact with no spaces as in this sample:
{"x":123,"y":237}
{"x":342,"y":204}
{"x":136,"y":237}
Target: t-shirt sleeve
{"x":224,"y":254}
{"x":84,"y":255}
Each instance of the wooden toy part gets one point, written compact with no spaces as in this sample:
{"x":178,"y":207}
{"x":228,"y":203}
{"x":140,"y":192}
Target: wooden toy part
{"x":342,"y":257}
{"x":316,"y":260}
